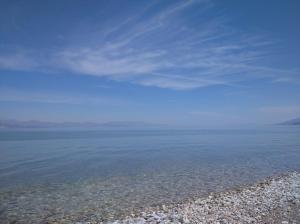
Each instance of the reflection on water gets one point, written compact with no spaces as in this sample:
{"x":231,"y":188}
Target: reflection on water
{"x":95,"y":175}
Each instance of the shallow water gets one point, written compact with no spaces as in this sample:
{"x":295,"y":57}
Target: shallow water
{"x":100,"y":175}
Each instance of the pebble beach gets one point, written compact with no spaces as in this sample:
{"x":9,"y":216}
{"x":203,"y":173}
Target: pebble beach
{"x":275,"y":200}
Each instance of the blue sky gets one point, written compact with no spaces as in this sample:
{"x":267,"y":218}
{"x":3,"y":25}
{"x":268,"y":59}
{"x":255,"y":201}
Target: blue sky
{"x":200,"y":62}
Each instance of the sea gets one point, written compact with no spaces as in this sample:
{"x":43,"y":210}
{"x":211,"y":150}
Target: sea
{"x":71,"y":176}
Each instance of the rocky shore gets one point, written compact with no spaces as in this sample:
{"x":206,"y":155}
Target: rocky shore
{"x":275,"y":200}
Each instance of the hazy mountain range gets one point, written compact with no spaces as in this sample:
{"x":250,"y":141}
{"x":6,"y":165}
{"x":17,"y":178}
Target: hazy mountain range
{"x":295,"y":121}
{"x":32,"y":124}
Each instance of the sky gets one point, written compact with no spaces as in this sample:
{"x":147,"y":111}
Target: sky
{"x":189,"y":62}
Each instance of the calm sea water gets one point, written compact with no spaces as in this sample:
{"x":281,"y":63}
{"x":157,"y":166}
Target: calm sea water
{"x":100,"y":175}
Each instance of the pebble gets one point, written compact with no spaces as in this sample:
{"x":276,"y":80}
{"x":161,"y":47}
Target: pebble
{"x":248,"y":205}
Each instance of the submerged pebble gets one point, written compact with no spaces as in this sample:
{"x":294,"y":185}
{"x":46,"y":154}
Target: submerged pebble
{"x":274,"y":200}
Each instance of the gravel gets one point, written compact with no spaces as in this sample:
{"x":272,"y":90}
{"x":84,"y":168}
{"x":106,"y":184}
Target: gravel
{"x":275,"y":200}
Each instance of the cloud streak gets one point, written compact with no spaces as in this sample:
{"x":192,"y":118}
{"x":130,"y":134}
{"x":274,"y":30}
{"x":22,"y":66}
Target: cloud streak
{"x":164,"y":49}
{"x":18,"y":61}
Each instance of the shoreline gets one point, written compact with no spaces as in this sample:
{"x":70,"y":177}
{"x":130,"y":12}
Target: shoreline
{"x":274,"y":200}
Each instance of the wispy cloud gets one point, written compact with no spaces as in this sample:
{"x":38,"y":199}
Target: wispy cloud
{"x":285,"y":110}
{"x":289,"y":80}
{"x":164,"y":49}
{"x":18,"y":61}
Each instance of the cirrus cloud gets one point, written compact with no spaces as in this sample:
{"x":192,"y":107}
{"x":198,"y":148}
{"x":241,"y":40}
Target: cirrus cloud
{"x":163,"y":49}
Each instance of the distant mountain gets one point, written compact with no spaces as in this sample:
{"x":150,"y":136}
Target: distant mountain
{"x":295,"y":121}
{"x":45,"y":124}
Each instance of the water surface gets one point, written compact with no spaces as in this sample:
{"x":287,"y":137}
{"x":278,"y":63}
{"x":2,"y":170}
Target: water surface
{"x":100,"y":175}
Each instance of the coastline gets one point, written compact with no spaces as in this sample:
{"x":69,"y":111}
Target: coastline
{"x":274,"y":200}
